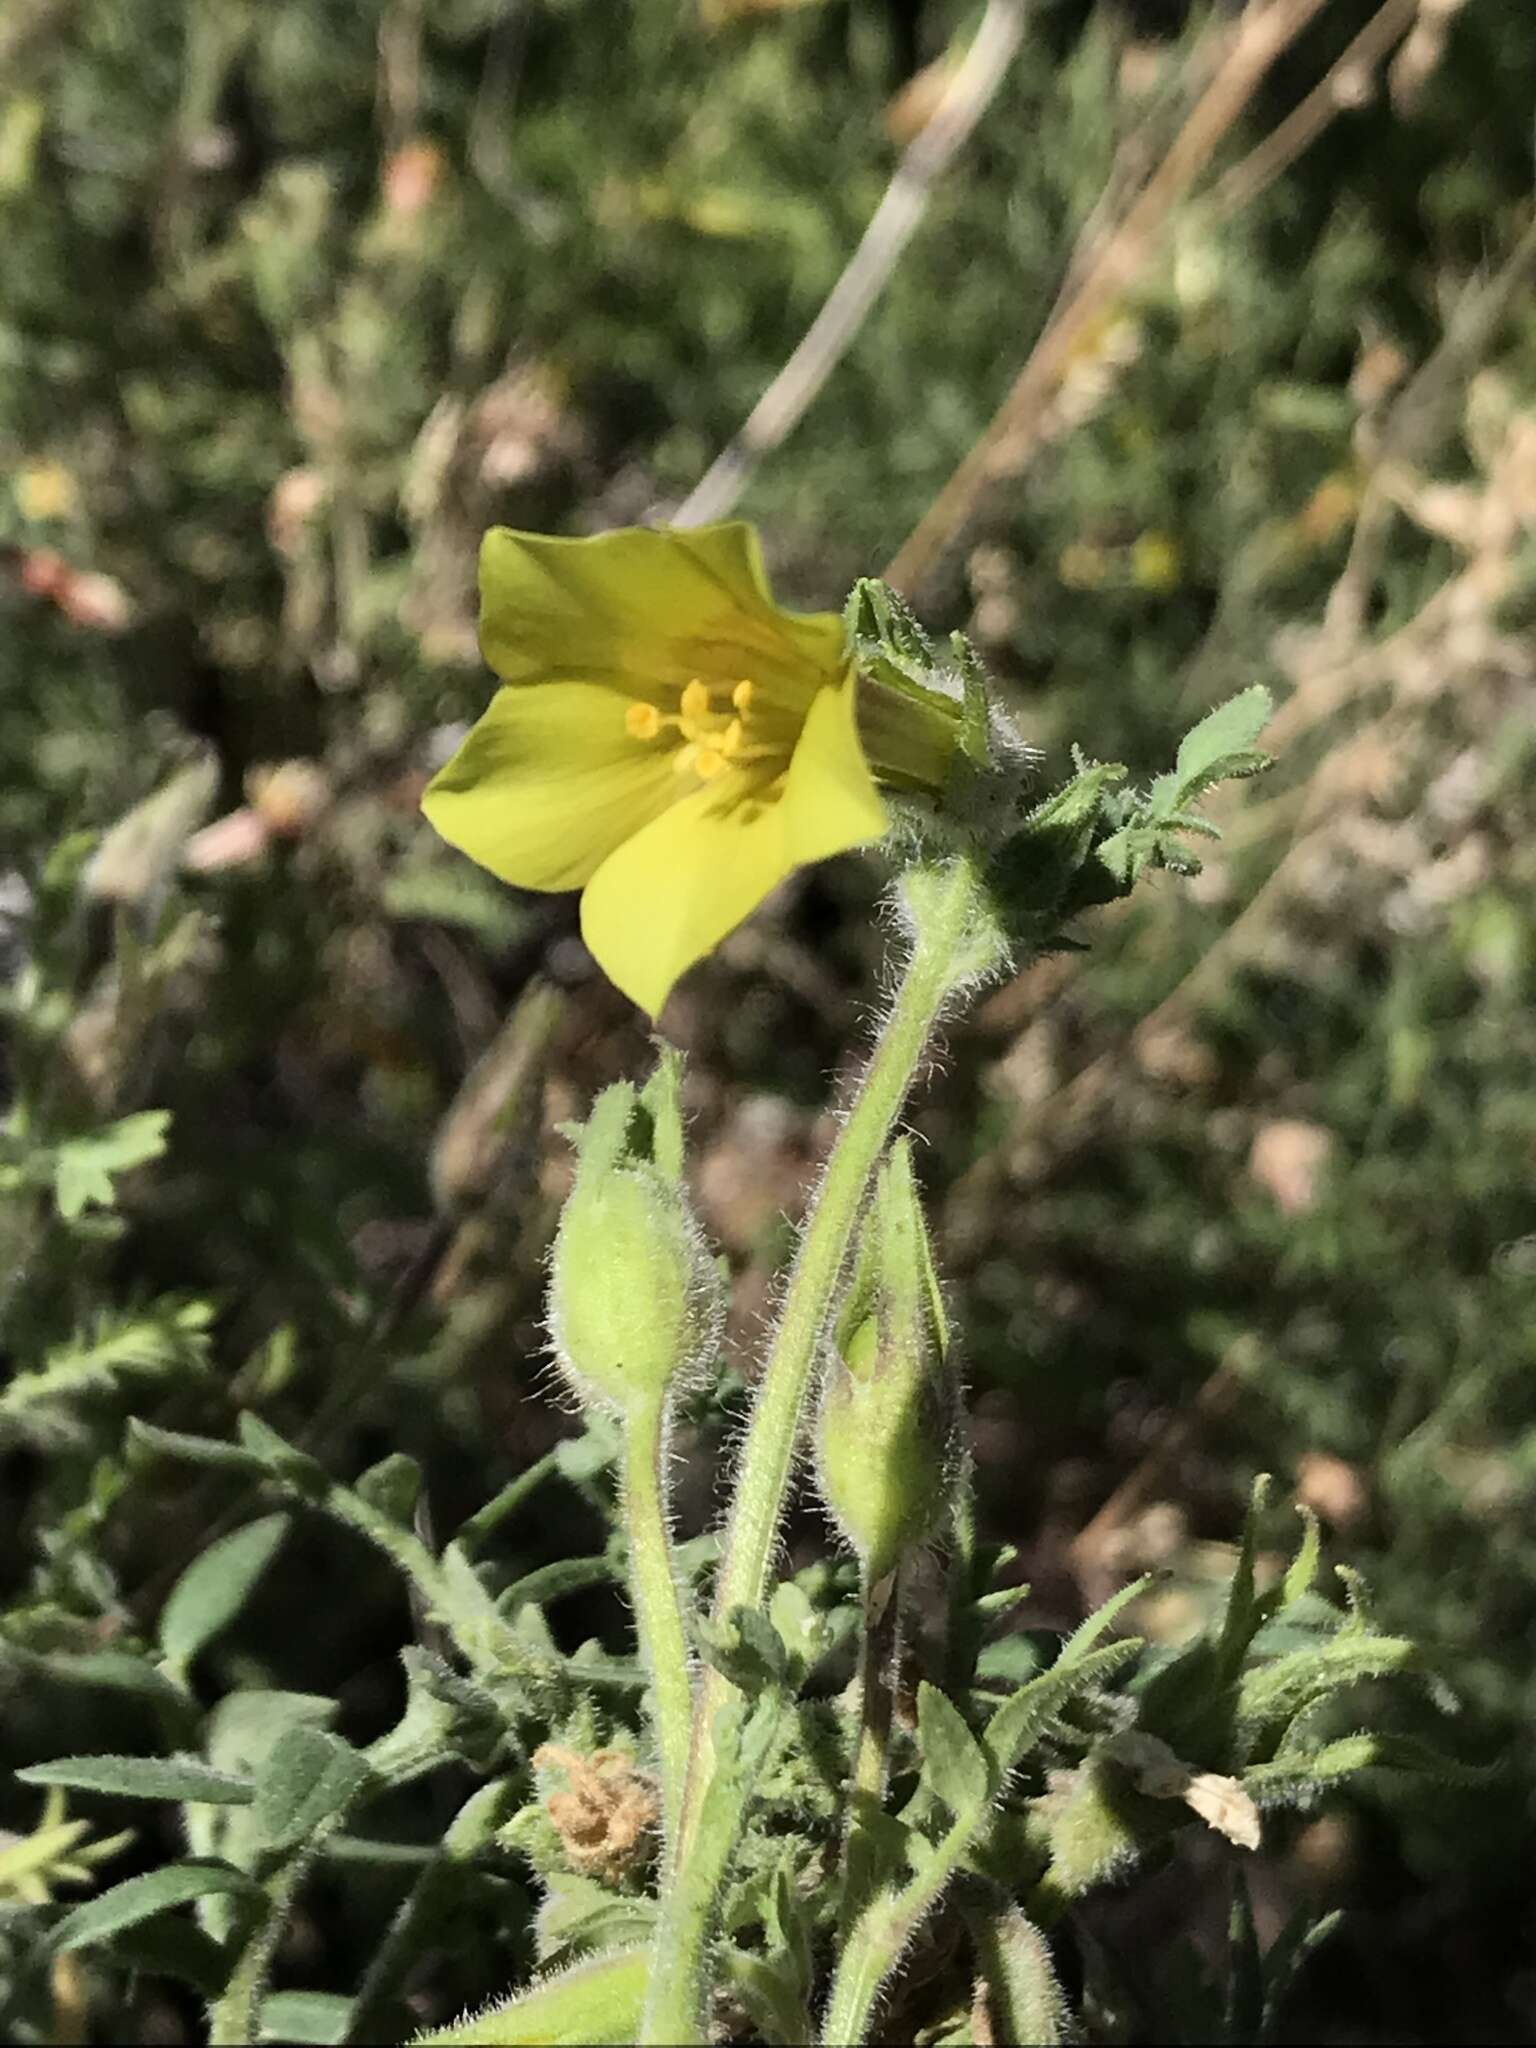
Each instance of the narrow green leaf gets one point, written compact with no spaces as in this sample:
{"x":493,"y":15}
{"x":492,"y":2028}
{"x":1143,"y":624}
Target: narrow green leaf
{"x":1019,"y":1722}
{"x":1083,"y":1638}
{"x":1245,"y":1610}
{"x":181,"y":1779}
{"x":144,"y":1439}
{"x":140,"y":1898}
{"x":1303,"y":1569}
{"x":215,"y":1586}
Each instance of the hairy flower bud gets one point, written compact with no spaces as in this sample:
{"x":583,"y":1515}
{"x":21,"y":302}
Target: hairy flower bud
{"x":633,"y":1296}
{"x":888,"y":1408}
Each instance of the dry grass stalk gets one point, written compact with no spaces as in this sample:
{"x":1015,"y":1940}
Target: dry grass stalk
{"x":1261,"y":38}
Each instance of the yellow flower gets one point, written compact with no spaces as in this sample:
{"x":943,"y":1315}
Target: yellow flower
{"x":668,"y":740}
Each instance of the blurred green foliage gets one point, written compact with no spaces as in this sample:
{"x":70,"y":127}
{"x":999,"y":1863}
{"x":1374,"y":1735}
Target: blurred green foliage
{"x":299,"y":296}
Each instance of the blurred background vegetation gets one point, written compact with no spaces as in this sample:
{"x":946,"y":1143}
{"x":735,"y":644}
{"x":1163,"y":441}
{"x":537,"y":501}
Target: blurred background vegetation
{"x":296,"y":297}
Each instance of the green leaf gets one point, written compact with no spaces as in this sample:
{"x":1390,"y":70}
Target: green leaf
{"x":306,"y":1475}
{"x":953,"y":1762}
{"x":215,"y":1586}
{"x":392,"y":1488}
{"x":747,"y":1649}
{"x":165,"y":1336}
{"x":1222,"y":746}
{"x":140,"y":1898}
{"x":1019,"y":1722}
{"x":579,"y":1915}
{"x":1083,"y":1638}
{"x":181,"y":1779}
{"x":113,"y":1670}
{"x":597,"y":2002}
{"x":1245,"y":1609}
{"x":1302,"y":1572}
{"x":147,"y":1440}
{"x":310,"y":1777}
{"x":322,"y":2017}
{"x":84,"y":1167}
{"x":1297,"y":1777}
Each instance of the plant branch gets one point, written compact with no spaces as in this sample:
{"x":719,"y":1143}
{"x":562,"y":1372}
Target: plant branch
{"x":657,"y":1597}
{"x":949,"y":922}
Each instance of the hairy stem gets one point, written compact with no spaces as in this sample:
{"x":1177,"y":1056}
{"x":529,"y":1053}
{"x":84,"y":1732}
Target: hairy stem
{"x":879,"y":1939}
{"x":234,"y":2021}
{"x":876,"y":1684}
{"x":658,"y":1602}
{"x":952,"y":944}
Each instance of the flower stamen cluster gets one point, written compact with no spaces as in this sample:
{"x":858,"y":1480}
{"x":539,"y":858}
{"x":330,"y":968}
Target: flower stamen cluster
{"x":712,"y":740}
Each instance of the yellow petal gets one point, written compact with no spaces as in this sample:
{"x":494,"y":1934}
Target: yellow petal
{"x":665,"y":898}
{"x":547,"y":784}
{"x":642,"y":607}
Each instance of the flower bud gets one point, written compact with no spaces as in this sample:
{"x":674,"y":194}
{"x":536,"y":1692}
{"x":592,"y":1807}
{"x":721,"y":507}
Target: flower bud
{"x":633,"y":1296}
{"x":888,"y":1407}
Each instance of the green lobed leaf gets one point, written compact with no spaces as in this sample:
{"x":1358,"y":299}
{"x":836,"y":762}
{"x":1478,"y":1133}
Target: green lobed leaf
{"x":84,"y":1168}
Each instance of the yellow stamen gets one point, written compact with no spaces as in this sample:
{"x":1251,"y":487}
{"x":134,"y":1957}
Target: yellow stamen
{"x":642,"y":721}
{"x":709,"y":763}
{"x":695,"y":704}
{"x":730,"y":742}
{"x":741,"y":696}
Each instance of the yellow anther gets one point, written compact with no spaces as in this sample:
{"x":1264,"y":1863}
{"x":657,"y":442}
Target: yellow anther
{"x":642,"y":721}
{"x":709,"y":763}
{"x":730,"y":739}
{"x":684,"y":759}
{"x":695,"y":702}
{"x":741,"y":696}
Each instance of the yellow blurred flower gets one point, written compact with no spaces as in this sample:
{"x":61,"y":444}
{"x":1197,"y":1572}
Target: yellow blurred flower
{"x":668,"y":740}
{"x":45,"y":490}
{"x":1156,"y":562}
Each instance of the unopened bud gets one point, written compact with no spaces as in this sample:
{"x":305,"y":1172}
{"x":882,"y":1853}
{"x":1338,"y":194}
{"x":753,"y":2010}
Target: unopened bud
{"x":888,"y":1408}
{"x":633,"y":1298}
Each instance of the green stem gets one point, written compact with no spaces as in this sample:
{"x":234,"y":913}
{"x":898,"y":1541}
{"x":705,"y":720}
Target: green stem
{"x":952,"y":944}
{"x":658,"y":1602}
{"x":879,"y":1940}
{"x":876,"y":1683}
{"x":234,"y":2020}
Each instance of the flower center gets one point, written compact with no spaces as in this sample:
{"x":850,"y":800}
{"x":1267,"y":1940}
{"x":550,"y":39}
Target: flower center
{"x":711,"y":739}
